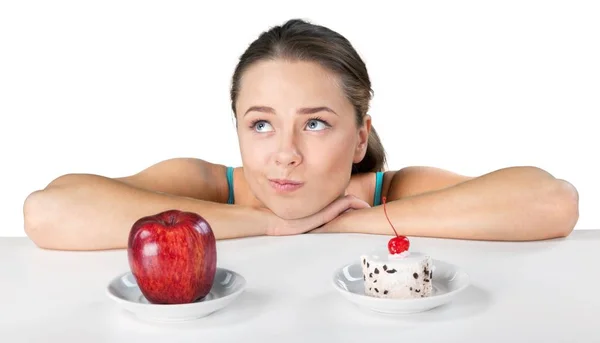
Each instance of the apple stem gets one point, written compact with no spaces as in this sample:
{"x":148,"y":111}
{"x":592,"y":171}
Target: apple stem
{"x":388,"y":218}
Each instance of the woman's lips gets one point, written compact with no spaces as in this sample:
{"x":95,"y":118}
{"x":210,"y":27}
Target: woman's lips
{"x":282,"y":185}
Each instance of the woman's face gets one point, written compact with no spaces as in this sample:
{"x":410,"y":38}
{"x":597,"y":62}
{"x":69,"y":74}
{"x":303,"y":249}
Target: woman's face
{"x":298,"y":136}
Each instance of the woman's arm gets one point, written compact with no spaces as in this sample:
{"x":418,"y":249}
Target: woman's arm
{"x":91,"y":212}
{"x":518,"y":203}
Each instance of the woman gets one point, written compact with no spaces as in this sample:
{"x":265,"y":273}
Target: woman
{"x":300,"y":95}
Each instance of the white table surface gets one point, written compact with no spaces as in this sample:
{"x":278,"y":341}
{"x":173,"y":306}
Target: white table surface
{"x":520,"y":292}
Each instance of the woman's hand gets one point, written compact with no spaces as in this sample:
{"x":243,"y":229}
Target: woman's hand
{"x":283,"y":227}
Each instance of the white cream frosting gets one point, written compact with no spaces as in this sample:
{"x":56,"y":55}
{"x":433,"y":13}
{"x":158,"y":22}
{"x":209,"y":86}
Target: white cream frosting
{"x":403,"y":258}
{"x":406,"y":275}
{"x":399,"y":256}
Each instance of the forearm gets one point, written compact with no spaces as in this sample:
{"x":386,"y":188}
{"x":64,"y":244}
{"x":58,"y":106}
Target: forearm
{"x":509,"y":204}
{"x":98,"y":214}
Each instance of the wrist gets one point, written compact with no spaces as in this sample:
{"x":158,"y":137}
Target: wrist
{"x":271,"y":224}
{"x":337,"y":225}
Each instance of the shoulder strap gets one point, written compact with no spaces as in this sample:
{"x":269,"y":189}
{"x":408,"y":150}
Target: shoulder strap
{"x":231,"y":199}
{"x":378,"y":186}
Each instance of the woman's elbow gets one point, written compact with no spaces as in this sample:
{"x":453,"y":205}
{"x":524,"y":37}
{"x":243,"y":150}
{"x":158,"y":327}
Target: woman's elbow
{"x":562,"y":210}
{"x":36,"y":219}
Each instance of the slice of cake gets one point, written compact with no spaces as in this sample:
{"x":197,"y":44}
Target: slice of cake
{"x":394,"y":276}
{"x":397,"y":273}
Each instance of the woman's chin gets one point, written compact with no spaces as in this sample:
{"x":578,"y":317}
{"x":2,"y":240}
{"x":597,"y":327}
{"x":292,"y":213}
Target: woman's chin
{"x":293,"y":212}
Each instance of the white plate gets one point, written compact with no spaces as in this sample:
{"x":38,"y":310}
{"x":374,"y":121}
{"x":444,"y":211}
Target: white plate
{"x":448,"y":281}
{"x":227,"y":286}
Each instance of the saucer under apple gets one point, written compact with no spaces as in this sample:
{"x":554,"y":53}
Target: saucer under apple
{"x":448,"y":282}
{"x":125,"y":292}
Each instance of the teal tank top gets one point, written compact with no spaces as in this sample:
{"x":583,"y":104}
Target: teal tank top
{"x":231,"y":199}
{"x":376,"y":198}
{"x":378,"y":187}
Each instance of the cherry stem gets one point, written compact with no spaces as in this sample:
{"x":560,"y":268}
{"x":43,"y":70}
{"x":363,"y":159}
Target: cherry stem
{"x":388,"y":218}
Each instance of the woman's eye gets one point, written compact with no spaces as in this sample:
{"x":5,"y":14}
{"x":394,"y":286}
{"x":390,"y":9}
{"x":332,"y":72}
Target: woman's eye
{"x":262,"y":126}
{"x":315,"y":124}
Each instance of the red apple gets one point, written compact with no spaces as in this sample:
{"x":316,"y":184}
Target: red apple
{"x":173,"y":257}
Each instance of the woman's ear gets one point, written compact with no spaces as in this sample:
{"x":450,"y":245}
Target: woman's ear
{"x":363,"y":139}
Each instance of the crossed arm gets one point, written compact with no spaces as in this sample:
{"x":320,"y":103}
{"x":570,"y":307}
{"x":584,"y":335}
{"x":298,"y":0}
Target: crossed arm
{"x":92,"y":212}
{"x":515,"y":204}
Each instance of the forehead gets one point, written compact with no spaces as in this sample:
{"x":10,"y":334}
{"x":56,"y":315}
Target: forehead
{"x":291,"y":83}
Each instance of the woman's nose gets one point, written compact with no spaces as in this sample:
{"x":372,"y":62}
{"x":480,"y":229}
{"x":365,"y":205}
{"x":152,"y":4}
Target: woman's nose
{"x":288,"y":153}
{"x":288,"y":158}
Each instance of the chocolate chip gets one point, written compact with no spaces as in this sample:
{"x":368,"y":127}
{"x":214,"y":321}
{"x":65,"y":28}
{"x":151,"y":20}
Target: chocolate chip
{"x":391,"y":271}
{"x":376,"y":290}
{"x":364,"y":278}
{"x":426,"y":280}
{"x":384,"y":267}
{"x":411,"y":288}
{"x":425,"y":271}
{"x":369,"y":288}
{"x":376,"y":271}
{"x":374,"y":281}
{"x":417,"y":290}
{"x":415,"y":275}
{"x":367,"y":264}
{"x":364,"y":261}
{"x":385,"y":292}
{"x":370,"y":274}
{"x":431,"y":274}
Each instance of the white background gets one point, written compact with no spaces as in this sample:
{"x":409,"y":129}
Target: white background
{"x":111,"y":87}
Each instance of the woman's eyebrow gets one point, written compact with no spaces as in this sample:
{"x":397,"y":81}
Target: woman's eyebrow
{"x":312,"y":110}
{"x":303,"y":110}
{"x":264,"y":109}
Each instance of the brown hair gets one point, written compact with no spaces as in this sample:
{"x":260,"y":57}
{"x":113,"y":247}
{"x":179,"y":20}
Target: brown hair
{"x":299,"y":40}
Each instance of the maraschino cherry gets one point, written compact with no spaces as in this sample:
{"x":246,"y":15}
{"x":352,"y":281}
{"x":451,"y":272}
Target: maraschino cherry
{"x":398,"y":244}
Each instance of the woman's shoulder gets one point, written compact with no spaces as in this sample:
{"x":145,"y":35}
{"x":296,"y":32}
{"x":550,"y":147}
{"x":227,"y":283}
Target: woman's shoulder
{"x":185,"y":176}
{"x":370,"y":186}
{"x":409,"y":181}
{"x":207,"y":180}
{"x":401,"y":183}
